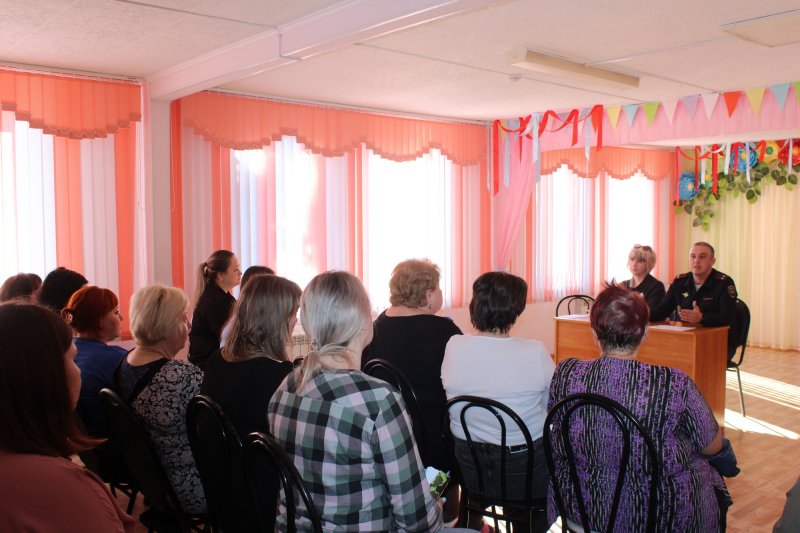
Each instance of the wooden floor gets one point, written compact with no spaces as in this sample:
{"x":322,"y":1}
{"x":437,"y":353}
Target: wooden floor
{"x":766,"y":442}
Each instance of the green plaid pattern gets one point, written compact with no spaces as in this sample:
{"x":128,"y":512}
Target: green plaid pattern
{"x":350,"y":437}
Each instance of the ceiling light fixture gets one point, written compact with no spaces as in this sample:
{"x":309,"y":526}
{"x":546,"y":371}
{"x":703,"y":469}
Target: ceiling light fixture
{"x":772,"y":30}
{"x":566,"y":69}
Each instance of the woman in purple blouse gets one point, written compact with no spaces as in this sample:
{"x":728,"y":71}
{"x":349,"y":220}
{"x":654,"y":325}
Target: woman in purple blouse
{"x":692,"y":496}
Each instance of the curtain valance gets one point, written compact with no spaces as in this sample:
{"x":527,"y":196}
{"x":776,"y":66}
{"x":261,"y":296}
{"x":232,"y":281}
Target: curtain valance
{"x":76,"y":108}
{"x":244,"y":123}
{"x":620,"y":163}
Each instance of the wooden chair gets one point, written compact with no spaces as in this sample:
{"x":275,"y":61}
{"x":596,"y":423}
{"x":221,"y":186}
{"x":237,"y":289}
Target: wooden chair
{"x":575,"y":304}
{"x":741,"y":325}
{"x":558,"y":435}
{"x":142,"y":460}
{"x":481,"y":497}
{"x":263,"y":449}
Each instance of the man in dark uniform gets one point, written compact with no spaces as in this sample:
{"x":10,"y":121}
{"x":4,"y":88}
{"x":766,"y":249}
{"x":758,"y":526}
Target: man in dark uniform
{"x":702,"y":296}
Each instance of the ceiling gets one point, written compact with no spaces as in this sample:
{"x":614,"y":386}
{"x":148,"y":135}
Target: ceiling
{"x":428,"y":57}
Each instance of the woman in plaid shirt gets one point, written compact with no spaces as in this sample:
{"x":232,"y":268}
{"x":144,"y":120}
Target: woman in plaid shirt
{"x":348,"y":433}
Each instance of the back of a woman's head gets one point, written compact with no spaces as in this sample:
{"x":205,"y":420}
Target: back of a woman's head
{"x":410,"y":281}
{"x":619,"y":318}
{"x":36,"y":403}
{"x":498,"y":298}
{"x":334,"y":310}
{"x":252,"y":272}
{"x":20,"y":286}
{"x":58,"y":286}
{"x":156,"y":312}
{"x":260,"y":320}
{"x":87,"y":307}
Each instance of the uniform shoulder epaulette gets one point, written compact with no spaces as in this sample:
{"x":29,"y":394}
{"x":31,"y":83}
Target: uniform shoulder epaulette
{"x":682,"y":276}
{"x":721,"y":276}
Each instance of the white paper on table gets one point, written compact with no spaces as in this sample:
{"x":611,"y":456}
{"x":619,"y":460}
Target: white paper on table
{"x":672,"y":328}
{"x":576,"y":317}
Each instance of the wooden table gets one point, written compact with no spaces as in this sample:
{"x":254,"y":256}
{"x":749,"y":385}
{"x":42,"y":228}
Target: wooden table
{"x":699,"y":352}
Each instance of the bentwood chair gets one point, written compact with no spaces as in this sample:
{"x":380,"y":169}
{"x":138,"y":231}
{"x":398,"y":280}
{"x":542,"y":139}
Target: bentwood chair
{"x":486,"y":494}
{"x":568,"y":420}
{"x":741,"y":326}
{"x":384,"y":370}
{"x":262,"y":451}
{"x":574,"y":304}
{"x":217,"y":452}
{"x":142,"y":460}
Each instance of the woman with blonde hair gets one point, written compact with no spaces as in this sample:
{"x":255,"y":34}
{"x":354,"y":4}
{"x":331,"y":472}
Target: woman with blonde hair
{"x":641,"y":260}
{"x":216,"y":278}
{"x":413,"y":338}
{"x":348,"y":433}
{"x":158,"y":388}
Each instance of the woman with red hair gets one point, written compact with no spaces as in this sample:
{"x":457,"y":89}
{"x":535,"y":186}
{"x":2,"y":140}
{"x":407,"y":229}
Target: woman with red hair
{"x":93,"y":313}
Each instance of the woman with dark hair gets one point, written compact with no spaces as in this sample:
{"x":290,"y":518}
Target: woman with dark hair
{"x":20,"y":286}
{"x":641,"y":261}
{"x":513,"y":371}
{"x":412,"y":337}
{"x":58,"y":286}
{"x":41,"y":489}
{"x":693,"y":496}
{"x":93,"y":313}
{"x":216,"y":278}
{"x":252,"y":272}
{"x":347,"y":432}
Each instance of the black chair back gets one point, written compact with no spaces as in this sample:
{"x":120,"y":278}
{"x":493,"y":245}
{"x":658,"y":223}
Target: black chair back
{"x":741,"y":329}
{"x":262,"y":450}
{"x":477,"y":497}
{"x":217,"y":451}
{"x":558,"y":436}
{"x":574,"y":304}
{"x":142,"y":460}
{"x":386,"y":371}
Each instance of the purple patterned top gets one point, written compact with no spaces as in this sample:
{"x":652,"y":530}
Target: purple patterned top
{"x":669,"y":406}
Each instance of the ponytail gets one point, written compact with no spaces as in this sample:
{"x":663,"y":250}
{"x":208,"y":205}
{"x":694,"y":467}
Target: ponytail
{"x":207,"y":271}
{"x":313,"y":363}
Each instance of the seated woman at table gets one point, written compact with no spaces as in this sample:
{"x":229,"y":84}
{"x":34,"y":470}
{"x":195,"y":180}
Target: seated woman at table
{"x":693,"y":496}
{"x":511,"y":370}
{"x":348,"y":433}
{"x":641,"y":261}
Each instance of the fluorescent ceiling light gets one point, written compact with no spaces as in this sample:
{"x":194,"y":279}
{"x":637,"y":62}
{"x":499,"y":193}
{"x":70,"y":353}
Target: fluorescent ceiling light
{"x":772,"y":30}
{"x":563,"y":68}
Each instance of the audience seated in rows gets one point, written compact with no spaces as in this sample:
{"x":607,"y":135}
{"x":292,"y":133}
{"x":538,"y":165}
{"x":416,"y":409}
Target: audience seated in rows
{"x":41,"y":488}
{"x":693,"y":496}
{"x":158,"y":387}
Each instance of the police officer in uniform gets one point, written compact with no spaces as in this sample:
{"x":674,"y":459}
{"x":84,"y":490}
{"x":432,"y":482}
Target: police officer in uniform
{"x":702,"y":296}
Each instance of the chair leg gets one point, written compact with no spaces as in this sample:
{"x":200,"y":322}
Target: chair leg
{"x":741,"y":394}
{"x":132,"y":500}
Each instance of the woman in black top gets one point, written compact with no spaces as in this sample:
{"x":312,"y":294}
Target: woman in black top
{"x":216,"y":278}
{"x":243,"y":375}
{"x":641,"y":261}
{"x":411,"y":337}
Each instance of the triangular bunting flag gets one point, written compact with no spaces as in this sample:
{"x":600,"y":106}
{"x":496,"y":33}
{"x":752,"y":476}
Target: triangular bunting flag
{"x":630,"y":113}
{"x":709,"y":102}
{"x":731,"y":101}
{"x":650,"y":109}
{"x":780,"y":91}
{"x":755,"y":97}
{"x":669,"y":109}
{"x":613,"y":114}
{"x":690,"y":104}
{"x":796,"y":85}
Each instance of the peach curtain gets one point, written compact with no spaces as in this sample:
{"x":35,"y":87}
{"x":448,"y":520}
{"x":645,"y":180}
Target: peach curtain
{"x":619,"y":163}
{"x":70,"y":107}
{"x":244,"y":123}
